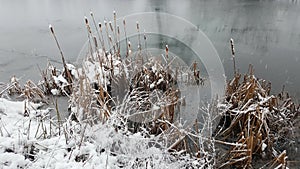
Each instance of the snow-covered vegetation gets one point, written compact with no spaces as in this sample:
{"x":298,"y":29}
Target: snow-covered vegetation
{"x":123,"y":113}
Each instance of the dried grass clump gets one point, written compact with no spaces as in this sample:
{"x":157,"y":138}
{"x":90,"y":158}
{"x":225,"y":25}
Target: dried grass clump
{"x":256,"y":122}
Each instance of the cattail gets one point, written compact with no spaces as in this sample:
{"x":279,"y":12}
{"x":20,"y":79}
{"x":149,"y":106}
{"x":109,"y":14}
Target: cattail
{"x":232,"y":47}
{"x":145,"y":39}
{"x":89,"y":34}
{"x":68,"y":75}
{"x":107,"y":35}
{"x":95,"y":41}
{"x":127,"y":45}
{"x":96,"y":27}
{"x":233,"y":55}
{"x":115,"y":15}
{"x":100,"y":26}
{"x":137,"y":25}
{"x":139,"y":35}
{"x":129,"y":48}
{"x":87,"y":24}
{"x":167,"y":51}
{"x":51,"y":29}
{"x":113,"y":34}
{"x":118,"y":39}
{"x":195,"y":67}
{"x":99,"y":57}
{"x":118,"y":30}
{"x":110,"y":39}
{"x":110,"y":25}
{"x":115,"y":26}
{"x":101,"y":39}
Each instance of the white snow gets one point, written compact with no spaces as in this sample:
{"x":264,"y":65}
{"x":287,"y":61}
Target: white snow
{"x":263,"y":146}
{"x":55,"y":92}
{"x":101,"y":147}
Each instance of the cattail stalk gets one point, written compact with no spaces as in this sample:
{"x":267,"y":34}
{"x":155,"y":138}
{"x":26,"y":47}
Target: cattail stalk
{"x":113,"y":43}
{"x":145,"y":39}
{"x":96,"y":27}
{"x":115,"y":28}
{"x":102,"y":39}
{"x":107,"y":35}
{"x":126,"y":39}
{"x":89,"y":31}
{"x":97,"y":51}
{"x":118,"y":40}
{"x":68,"y":74}
{"x":139,"y":36}
{"x":167,"y":52}
{"x":233,"y":55}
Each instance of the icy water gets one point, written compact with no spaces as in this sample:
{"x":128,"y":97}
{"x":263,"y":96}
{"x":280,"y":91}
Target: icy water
{"x":266,"y":33}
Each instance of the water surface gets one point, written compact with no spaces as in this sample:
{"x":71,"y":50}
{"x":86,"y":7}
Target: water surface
{"x":266,"y":33}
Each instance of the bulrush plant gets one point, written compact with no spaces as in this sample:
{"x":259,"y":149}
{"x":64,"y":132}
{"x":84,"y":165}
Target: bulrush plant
{"x":256,"y":122}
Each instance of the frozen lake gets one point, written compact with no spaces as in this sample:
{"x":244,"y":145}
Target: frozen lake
{"x":266,"y":33}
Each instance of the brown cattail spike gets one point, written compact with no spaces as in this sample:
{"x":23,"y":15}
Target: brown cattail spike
{"x":86,"y":20}
{"x":137,"y":25}
{"x":118,"y":29}
{"x":145,"y":39}
{"x":127,"y":45}
{"x":167,"y":51}
{"x":100,"y":26}
{"x":233,"y":55}
{"x":195,"y":66}
{"x":111,"y":27}
{"x":232,"y":47}
{"x":51,"y":28}
{"x":95,"y":41}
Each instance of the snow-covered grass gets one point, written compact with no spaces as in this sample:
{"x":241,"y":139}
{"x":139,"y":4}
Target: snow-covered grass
{"x":29,"y":141}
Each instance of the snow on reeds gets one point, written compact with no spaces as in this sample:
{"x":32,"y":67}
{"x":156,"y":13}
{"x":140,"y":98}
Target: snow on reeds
{"x":259,"y":123}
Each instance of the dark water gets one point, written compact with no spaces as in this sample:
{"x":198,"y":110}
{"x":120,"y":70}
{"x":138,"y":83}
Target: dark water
{"x":266,"y":33}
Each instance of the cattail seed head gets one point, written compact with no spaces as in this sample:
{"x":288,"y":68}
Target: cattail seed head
{"x":167,"y":51}
{"x":91,"y":13}
{"x":110,"y":25}
{"x":51,"y":28}
{"x":95,"y":41}
{"x":124,"y":23}
{"x":195,"y":65}
{"x":86,"y":20}
{"x":232,"y":47}
{"x":137,"y":25}
{"x":100,"y":25}
{"x":115,"y":15}
{"x":118,"y":29}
